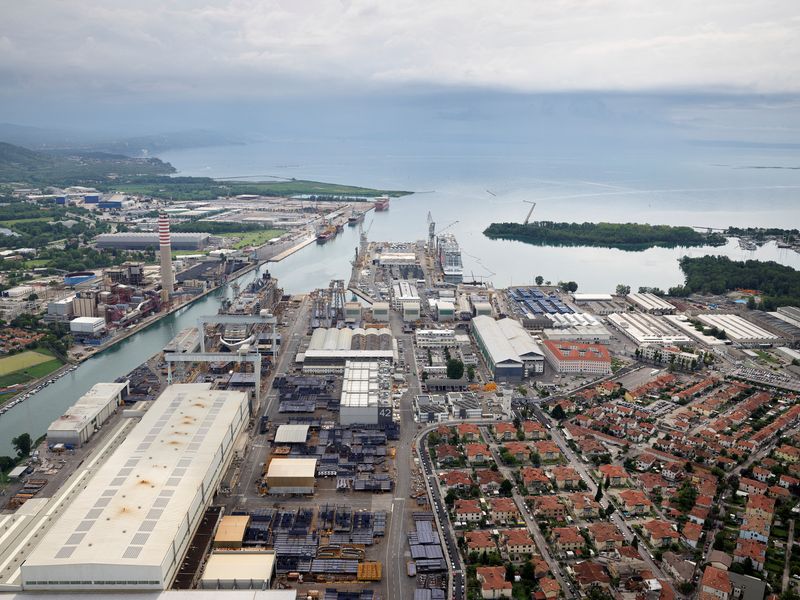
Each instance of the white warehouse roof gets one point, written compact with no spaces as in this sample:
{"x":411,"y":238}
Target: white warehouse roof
{"x":737,"y":329}
{"x":292,"y":467}
{"x":291,"y":434}
{"x":131,"y":524}
{"x":648,"y":301}
{"x":87,"y":407}
{"x":506,"y":340}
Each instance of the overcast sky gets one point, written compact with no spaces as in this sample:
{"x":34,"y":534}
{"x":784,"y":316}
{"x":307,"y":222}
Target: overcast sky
{"x":266,"y":48}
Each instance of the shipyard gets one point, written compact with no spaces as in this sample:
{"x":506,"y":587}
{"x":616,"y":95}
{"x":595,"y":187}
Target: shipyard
{"x":383,"y":431}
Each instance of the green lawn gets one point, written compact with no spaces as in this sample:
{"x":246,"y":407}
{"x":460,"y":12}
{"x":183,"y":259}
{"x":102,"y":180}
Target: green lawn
{"x":253,"y":238}
{"x":23,"y":360}
{"x":12,"y":222}
{"x":30,"y":373}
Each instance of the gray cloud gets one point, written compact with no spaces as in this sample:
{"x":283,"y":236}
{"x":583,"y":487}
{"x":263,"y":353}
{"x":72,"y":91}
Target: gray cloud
{"x":253,"y":48}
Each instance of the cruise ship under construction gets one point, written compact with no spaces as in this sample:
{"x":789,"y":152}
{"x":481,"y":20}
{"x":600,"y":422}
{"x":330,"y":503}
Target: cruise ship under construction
{"x":449,"y":255}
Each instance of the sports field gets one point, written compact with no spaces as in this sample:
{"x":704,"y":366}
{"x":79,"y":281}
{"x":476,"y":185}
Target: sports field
{"x":23,"y":360}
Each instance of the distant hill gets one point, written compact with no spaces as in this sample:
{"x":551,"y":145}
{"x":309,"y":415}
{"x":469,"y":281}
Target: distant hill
{"x":22,"y":165}
{"x":50,"y":140}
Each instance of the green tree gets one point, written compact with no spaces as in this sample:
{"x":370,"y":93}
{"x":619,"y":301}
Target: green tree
{"x":471,"y":373}
{"x":557,"y":412}
{"x":539,"y":280}
{"x":599,"y":495}
{"x":623,"y":290}
{"x":22,"y":444}
{"x":455,"y":368}
{"x":506,"y":487}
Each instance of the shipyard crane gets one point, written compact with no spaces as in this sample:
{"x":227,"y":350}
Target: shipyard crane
{"x":530,"y":212}
{"x":446,"y":227}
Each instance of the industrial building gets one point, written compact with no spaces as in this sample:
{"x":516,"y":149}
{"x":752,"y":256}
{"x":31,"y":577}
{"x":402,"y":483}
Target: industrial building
{"x":572,"y":357}
{"x":144,"y":240}
{"x":129,"y":528}
{"x":87,"y":415}
{"x":87,"y":327}
{"x":187,"y":340}
{"x":644,"y":328}
{"x":411,"y":311}
{"x":402,"y":292}
{"x":509,"y":351}
{"x":329,"y":349}
{"x":599,"y":304}
{"x":435,"y":338}
{"x":741,"y":332}
{"x":650,"y":303}
{"x":291,"y":475}
{"x":380,"y":312}
{"x":238,"y":570}
{"x":291,"y":434}
{"x":777,"y":323}
{"x":365,"y":393}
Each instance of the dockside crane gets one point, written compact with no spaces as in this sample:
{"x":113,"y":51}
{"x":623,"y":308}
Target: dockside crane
{"x":530,"y":212}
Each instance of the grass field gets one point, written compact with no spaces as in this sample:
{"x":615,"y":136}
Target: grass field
{"x":23,"y":360}
{"x":27,"y":366}
{"x":253,"y":238}
{"x":12,"y":222}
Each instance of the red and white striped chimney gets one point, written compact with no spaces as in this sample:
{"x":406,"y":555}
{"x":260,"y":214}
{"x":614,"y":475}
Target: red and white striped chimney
{"x":165,"y":246}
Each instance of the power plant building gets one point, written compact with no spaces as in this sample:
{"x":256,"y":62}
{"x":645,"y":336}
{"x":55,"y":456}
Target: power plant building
{"x":130,"y":527}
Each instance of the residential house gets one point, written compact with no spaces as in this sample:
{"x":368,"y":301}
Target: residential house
{"x":759,"y":505}
{"x":480,"y":541}
{"x":566,"y":478}
{"x":715,"y":585}
{"x":698,"y":515}
{"x":606,"y":536}
{"x":567,"y":539}
{"x":634,"y":502}
{"x":590,"y":574}
{"x":488,"y":480}
{"x":469,"y":432}
{"x":645,"y":461}
{"x":447,"y":455}
{"x":468,"y":511}
{"x":503,"y":510}
{"x":548,"y":451}
{"x":660,"y":534}
{"x":788,"y":453}
{"x":477,"y":453}
{"x":518,"y":543}
{"x":755,"y":528}
{"x":616,"y":475}
{"x":550,"y":588}
{"x":504,"y":431}
{"x":788,"y":482}
{"x":673,"y":471}
{"x":534,"y":430}
{"x":459,"y":480}
{"x":761,"y":474}
{"x":519,"y":450}
{"x":583,"y":505}
{"x":549,"y":507}
{"x":751,"y":549}
{"x":751,"y":486}
{"x":493,"y":582}
{"x":691,"y":534}
{"x":535,"y":479}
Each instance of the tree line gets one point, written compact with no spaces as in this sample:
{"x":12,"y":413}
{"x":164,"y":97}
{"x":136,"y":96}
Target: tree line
{"x":625,"y":236}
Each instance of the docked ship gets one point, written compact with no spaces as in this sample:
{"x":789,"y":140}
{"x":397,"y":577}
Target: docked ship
{"x":325,"y":233}
{"x":449,"y":255}
{"x":355,"y":218}
{"x":382,"y":203}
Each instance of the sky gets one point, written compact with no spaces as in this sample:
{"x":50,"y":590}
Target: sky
{"x":113,"y":60}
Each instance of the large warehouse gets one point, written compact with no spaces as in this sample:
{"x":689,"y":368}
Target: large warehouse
{"x":143,"y":240}
{"x":291,"y":475}
{"x":129,"y":528}
{"x":83,"y":418}
{"x":330,"y":349}
{"x":509,"y":351}
{"x":643,"y":328}
{"x":650,"y":303}
{"x":739,"y":331}
{"x":365,"y":393}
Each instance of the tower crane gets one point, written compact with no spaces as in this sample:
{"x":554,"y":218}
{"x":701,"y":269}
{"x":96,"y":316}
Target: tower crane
{"x":530,"y":212}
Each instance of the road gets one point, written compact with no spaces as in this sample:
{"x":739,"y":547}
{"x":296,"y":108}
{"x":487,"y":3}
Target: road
{"x":786,"y":569}
{"x":531,"y":524}
{"x":579,"y":466}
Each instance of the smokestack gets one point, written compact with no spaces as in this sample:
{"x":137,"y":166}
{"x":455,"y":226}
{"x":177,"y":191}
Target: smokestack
{"x":167,"y":281}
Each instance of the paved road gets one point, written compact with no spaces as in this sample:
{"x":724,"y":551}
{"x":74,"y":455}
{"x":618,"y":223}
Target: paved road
{"x":618,"y":520}
{"x":532,"y":525}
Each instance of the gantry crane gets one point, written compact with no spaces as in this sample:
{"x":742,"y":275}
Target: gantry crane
{"x":530,"y":212}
